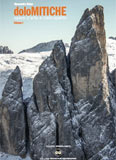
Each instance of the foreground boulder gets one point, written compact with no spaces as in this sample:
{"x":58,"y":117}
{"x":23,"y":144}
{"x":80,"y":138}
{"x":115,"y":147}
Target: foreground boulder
{"x":12,"y":122}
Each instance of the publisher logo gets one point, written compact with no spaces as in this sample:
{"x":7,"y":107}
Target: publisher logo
{"x":58,"y":152}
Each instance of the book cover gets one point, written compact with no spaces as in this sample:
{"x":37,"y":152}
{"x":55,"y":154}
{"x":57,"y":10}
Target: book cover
{"x":57,"y":80}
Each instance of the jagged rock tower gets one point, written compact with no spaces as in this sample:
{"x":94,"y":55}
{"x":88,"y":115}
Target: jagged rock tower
{"x":88,"y":57}
{"x":52,"y":93}
{"x":89,"y":76}
{"x":12,"y":120}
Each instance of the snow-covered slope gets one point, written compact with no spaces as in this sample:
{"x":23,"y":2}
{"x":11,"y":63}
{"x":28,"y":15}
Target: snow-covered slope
{"x":4,"y":156}
{"x":29,"y":64}
{"x":42,"y":47}
{"x":111,"y":50}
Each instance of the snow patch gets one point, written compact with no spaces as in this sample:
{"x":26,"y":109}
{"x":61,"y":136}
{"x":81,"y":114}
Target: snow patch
{"x":111,"y":50}
{"x":29,"y":66}
{"x":4,"y":156}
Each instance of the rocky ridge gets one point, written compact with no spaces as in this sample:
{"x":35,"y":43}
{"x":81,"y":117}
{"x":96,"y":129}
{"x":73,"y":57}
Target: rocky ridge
{"x":73,"y":102}
{"x":113,"y":38}
{"x":5,"y":50}
{"x":42,"y":47}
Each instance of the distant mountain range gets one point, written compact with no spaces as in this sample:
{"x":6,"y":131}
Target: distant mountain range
{"x":114,"y":38}
{"x":5,"y":50}
{"x":42,"y":47}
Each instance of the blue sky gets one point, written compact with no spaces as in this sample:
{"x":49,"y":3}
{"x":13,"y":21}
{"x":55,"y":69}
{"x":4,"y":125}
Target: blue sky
{"x":19,"y":37}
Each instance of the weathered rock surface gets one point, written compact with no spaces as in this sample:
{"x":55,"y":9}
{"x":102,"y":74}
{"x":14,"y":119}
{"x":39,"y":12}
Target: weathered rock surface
{"x":88,"y":58}
{"x":89,"y":124}
{"x":97,"y":127}
{"x":113,"y":77}
{"x":12,"y":121}
{"x":89,"y":68}
{"x":42,"y":132}
{"x":5,"y":50}
{"x":107,"y":153}
{"x":52,"y":92}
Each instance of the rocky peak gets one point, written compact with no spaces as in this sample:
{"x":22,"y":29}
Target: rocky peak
{"x":60,"y":61}
{"x":53,"y":72}
{"x":93,"y":18}
{"x":5,"y":50}
{"x":88,"y":58}
{"x":59,"y":55}
{"x":12,"y":121}
{"x":89,"y":68}
{"x":52,"y":91}
{"x":14,"y":83}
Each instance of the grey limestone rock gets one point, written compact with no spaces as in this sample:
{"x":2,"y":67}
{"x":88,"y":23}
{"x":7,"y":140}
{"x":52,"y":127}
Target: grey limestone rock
{"x":42,"y":132}
{"x":12,"y":121}
{"x":88,"y":57}
{"x":5,"y":50}
{"x":52,"y":92}
{"x":113,"y":77}
{"x":89,"y":76}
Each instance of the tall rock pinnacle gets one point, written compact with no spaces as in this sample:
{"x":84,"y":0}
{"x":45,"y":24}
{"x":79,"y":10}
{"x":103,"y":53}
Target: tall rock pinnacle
{"x":88,"y":57}
{"x":52,"y":92}
{"x":12,"y":122}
